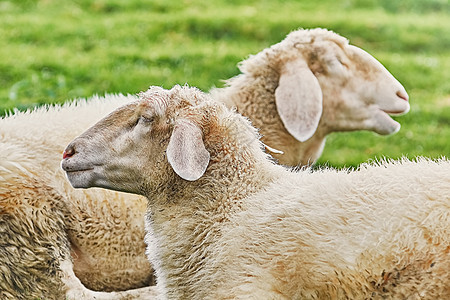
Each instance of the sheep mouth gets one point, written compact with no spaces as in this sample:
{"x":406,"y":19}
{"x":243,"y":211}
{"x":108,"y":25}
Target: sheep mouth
{"x":71,"y":170}
{"x":78,"y":171}
{"x":395,"y":112}
{"x":70,"y":167}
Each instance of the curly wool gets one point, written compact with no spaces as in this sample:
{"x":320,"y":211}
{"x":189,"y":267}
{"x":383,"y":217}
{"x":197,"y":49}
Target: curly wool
{"x":96,"y":225}
{"x":32,"y":248}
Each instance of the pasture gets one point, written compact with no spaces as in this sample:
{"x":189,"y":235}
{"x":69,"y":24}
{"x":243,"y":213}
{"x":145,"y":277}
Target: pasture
{"x":53,"y":51}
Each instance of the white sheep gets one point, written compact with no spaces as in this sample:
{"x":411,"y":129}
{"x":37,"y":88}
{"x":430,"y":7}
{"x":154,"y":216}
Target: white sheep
{"x":225,"y":222}
{"x":309,"y":85}
{"x":45,"y":223}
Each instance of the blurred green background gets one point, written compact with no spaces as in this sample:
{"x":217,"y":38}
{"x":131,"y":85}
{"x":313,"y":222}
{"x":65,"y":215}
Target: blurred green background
{"x":52,"y":51}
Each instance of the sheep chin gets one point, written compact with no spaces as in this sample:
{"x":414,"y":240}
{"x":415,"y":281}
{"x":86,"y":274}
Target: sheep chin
{"x":383,"y":124}
{"x":81,"y":178}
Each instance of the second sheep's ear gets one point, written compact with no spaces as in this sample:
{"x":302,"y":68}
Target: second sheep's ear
{"x":186,"y":152}
{"x":299,"y":100}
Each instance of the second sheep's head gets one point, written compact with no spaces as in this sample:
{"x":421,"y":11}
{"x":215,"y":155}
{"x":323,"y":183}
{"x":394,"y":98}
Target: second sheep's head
{"x":319,"y":65}
{"x":309,"y":85}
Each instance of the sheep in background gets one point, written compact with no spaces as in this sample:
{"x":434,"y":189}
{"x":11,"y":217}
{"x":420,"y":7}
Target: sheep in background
{"x":45,"y":223}
{"x":309,"y":85}
{"x":34,"y":246}
{"x":225,"y":222}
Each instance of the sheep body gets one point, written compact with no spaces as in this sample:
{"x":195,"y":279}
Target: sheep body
{"x":96,"y":226}
{"x":361,"y":234}
{"x":311,"y":84}
{"x":33,"y":247}
{"x":248,"y":228}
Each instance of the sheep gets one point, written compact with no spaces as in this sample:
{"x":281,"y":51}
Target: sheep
{"x":309,"y":85}
{"x":225,"y":222}
{"x":45,"y":224}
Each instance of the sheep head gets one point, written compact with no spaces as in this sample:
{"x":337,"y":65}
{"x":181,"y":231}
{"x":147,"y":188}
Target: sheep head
{"x":141,"y":145}
{"x":325,"y":84}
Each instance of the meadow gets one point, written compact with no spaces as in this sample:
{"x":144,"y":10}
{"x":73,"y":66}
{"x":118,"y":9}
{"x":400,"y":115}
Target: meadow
{"x":54,"y":51}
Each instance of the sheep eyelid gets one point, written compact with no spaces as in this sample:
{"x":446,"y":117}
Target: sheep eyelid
{"x":145,"y":119}
{"x":342,"y":62}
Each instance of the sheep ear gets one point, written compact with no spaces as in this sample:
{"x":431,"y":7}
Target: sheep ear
{"x":186,"y":152}
{"x":299,"y":100}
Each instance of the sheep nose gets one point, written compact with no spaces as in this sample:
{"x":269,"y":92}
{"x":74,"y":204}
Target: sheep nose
{"x":403,"y":95}
{"x":69,"y":152}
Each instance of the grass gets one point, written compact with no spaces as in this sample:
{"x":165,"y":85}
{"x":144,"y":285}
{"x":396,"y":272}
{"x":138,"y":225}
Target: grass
{"x":53,"y":51}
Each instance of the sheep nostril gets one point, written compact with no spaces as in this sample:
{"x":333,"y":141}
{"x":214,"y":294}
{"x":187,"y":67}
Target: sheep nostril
{"x":402,"y":95}
{"x":69,"y":152}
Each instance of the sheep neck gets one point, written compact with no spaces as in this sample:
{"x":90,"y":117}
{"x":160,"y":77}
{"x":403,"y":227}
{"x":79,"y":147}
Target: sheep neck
{"x":186,"y":217}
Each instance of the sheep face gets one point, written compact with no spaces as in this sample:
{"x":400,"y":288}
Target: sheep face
{"x":360,"y":93}
{"x":96,"y":158}
{"x":158,"y":130}
{"x":357,"y":91}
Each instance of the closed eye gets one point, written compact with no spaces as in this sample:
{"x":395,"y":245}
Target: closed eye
{"x":143,"y":120}
{"x":341,"y":61}
{"x":146,"y":119}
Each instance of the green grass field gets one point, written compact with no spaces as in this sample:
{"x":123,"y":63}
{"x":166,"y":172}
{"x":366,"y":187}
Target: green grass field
{"x":53,"y":51}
